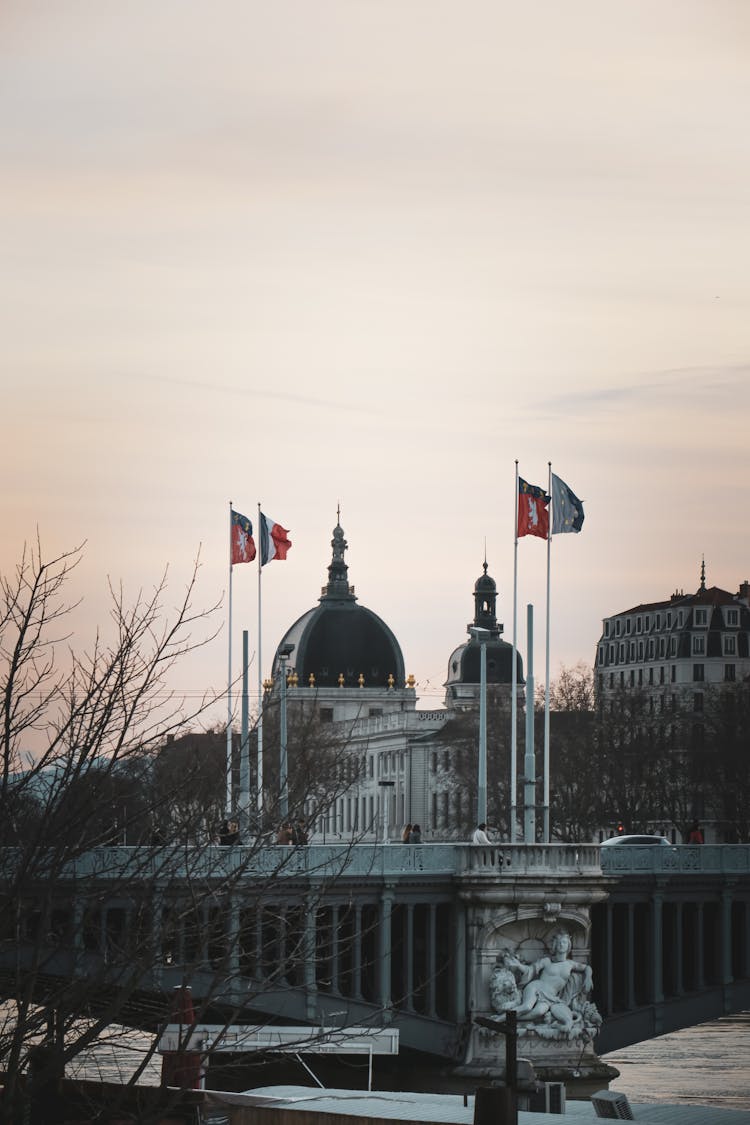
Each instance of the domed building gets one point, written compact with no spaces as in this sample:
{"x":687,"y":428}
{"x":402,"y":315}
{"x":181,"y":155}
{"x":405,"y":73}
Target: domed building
{"x":464,"y":666}
{"x":345,"y":664}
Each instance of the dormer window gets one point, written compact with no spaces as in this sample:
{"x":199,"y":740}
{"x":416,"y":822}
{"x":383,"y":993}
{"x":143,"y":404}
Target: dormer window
{"x":701,"y":617}
{"x":733,"y":617}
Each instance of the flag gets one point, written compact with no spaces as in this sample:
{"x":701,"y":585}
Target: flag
{"x":274,"y":540}
{"x":567,"y":509}
{"x":533,"y":516}
{"x":242,"y":544}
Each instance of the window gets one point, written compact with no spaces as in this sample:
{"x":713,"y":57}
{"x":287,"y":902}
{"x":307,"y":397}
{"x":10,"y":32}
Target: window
{"x":611,"y":679}
{"x":611,"y":654}
{"x":674,"y":674}
{"x":601,"y":654}
{"x":647,"y":623}
{"x":658,"y":621}
{"x":650,"y":675}
{"x":632,"y":677}
{"x":733,"y":617}
{"x":622,"y":679}
{"x":606,"y":628}
{"x":651,"y":648}
{"x":601,"y":682}
{"x":673,"y":646}
{"x":661,"y":675}
{"x":698,"y":673}
{"x":701,"y":617}
{"x":669,"y":620}
{"x":730,"y":672}
{"x":640,"y":677}
{"x":617,"y":628}
{"x":632,"y":651}
{"x":622,"y":653}
{"x":699,"y":646}
{"x":638,"y":624}
{"x":698,"y":701}
{"x":662,"y":648}
{"x":628,"y":623}
{"x":640,"y":650}
{"x":730,"y":645}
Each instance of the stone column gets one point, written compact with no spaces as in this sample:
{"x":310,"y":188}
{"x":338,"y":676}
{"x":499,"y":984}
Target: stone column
{"x":384,"y":951}
{"x":357,"y":954}
{"x":431,"y":961}
{"x":409,"y":978}
{"x":657,"y":941}
{"x":630,"y":963}
{"x":725,"y":928}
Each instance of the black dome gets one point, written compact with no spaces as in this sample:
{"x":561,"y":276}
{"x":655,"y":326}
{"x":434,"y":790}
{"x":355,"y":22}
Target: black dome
{"x":339,"y":638}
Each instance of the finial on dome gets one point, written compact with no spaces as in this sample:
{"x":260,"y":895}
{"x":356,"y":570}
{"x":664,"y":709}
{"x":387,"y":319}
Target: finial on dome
{"x":703,"y":572}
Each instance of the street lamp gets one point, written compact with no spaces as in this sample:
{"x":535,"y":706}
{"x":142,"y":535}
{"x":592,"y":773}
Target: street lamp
{"x":386,"y":786}
{"x":480,"y":636}
{"x":285,"y":651}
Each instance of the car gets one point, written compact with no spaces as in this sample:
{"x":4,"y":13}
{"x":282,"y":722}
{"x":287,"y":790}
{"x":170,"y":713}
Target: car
{"x":644,"y":841}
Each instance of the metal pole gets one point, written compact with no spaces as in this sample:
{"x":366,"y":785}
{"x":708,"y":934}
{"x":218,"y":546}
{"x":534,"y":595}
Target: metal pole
{"x":243,"y":804}
{"x":283,"y":784}
{"x":529,"y":785}
{"x":545,"y":770}
{"x":482,"y":779}
{"x":514,"y":674}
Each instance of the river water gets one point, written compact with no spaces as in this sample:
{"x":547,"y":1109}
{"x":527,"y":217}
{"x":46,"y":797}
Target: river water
{"x":704,"y":1065}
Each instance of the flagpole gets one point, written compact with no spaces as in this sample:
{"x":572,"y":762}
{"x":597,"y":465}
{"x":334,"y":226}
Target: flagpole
{"x":229,"y":680}
{"x":514,"y":673}
{"x":546,"y":824}
{"x":259,"y":778}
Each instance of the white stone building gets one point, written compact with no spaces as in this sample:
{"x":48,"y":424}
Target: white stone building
{"x":347,"y":664}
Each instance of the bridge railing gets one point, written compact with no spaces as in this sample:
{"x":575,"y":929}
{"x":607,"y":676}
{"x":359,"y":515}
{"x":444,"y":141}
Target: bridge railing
{"x":710,"y":859}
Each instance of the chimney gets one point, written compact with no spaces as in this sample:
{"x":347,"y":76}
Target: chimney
{"x":744,"y":592}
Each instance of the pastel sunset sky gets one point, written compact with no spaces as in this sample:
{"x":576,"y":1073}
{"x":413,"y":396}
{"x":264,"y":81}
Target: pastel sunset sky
{"x":370,"y":252}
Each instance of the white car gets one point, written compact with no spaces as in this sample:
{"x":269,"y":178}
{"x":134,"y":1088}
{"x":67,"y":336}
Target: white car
{"x":644,"y":841}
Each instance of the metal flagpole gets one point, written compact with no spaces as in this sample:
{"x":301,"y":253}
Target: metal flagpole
{"x":259,"y":779}
{"x":545,"y":823}
{"x":514,"y":673}
{"x":229,"y":680}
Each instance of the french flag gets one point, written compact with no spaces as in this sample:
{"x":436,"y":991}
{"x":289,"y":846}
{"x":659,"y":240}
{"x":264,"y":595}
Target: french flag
{"x":274,"y":540}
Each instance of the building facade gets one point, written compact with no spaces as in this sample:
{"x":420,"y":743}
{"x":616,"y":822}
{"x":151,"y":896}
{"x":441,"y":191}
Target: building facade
{"x":344,"y":663}
{"x":675,"y":650}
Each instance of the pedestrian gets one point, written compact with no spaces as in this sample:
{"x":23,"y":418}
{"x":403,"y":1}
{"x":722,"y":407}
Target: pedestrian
{"x":696,"y":836}
{"x":299,"y":833}
{"x":415,"y":836}
{"x":406,"y":834}
{"x":480,"y":835}
{"x":285,"y":835}
{"x":229,"y":833}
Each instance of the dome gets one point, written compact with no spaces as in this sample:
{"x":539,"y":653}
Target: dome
{"x":339,"y":638}
{"x":464,"y":663}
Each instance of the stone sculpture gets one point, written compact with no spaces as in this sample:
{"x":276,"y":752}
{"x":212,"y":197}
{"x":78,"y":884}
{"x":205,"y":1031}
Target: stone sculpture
{"x":550,"y":996}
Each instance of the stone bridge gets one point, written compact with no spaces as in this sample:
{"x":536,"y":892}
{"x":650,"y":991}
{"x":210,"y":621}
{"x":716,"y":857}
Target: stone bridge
{"x":405,"y":935}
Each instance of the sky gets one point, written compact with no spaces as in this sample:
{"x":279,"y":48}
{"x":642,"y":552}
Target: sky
{"x":371,"y":253}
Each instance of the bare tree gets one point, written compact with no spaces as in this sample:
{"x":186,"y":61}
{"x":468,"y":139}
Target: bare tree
{"x":92,"y":929}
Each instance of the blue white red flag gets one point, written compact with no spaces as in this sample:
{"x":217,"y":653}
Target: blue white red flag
{"x":241,"y":542}
{"x":274,"y":540}
{"x":533,"y":514}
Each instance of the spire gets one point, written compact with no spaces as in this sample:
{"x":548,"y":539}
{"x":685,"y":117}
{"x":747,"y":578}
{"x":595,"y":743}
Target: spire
{"x":338,"y":587}
{"x":703,"y":572}
{"x":485,"y":600}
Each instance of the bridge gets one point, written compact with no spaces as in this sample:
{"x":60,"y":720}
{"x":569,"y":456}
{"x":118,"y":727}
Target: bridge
{"x":394,"y":934}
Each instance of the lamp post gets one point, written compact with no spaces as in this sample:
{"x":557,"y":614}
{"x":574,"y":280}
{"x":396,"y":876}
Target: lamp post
{"x":386,"y":786}
{"x":285,"y":651}
{"x":481,"y":636}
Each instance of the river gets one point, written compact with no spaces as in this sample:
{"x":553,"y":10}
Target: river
{"x":704,"y":1065}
